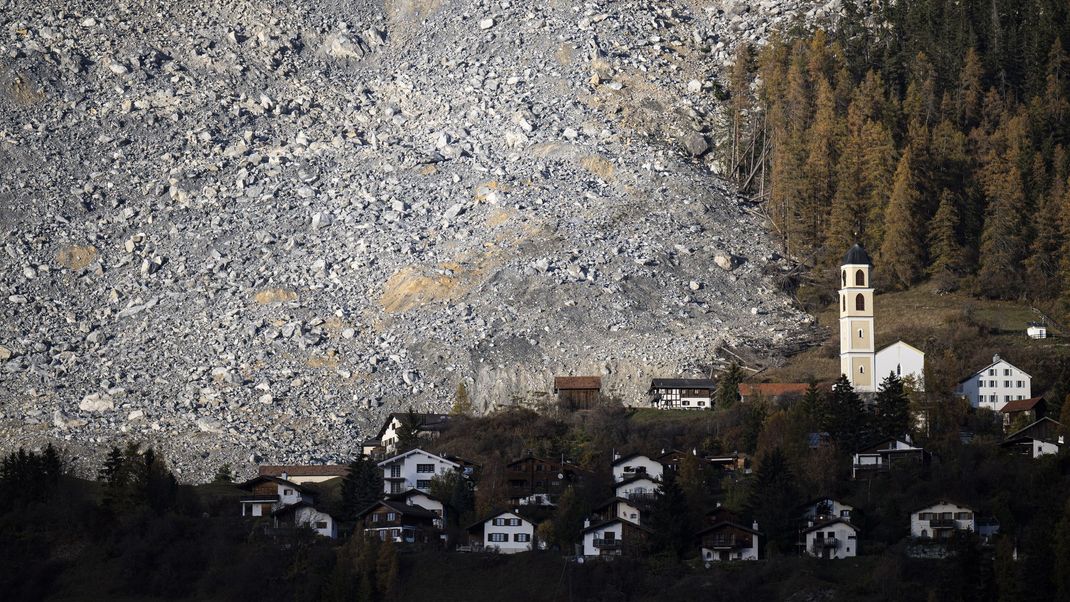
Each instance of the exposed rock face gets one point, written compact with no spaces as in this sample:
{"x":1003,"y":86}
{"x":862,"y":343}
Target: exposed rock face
{"x":238,"y":229}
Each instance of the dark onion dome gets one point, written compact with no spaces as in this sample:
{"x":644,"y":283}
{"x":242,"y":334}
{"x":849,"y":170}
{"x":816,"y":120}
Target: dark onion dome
{"x":856,"y":255}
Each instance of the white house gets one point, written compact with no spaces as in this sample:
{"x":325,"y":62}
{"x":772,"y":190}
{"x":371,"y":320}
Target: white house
{"x":504,"y":532}
{"x":427,"y":426}
{"x":268,"y":494}
{"x":682,"y":393}
{"x":304,"y":514}
{"x":941,"y":520}
{"x":619,"y":508}
{"x":994,"y":385}
{"x":612,"y":538}
{"x":832,"y":539}
{"x":903,"y":360}
{"x":634,"y":465}
{"x":886,"y":455}
{"x":637,"y":489}
{"x":413,"y":469}
{"x":726,"y":540}
{"x":1037,"y":330}
{"x":415,"y":497}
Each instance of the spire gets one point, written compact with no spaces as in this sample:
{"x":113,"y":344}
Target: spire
{"x":856,"y":255}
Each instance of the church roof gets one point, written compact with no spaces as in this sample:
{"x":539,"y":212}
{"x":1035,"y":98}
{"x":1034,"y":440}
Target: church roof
{"x":856,"y":255}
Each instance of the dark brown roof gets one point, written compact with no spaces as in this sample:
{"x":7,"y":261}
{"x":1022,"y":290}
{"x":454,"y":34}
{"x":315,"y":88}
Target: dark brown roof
{"x":1021,"y":405}
{"x":592,"y":383}
{"x":312,"y":470}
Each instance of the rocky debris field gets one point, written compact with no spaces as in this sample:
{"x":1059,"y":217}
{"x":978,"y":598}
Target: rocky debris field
{"x":244,"y":231}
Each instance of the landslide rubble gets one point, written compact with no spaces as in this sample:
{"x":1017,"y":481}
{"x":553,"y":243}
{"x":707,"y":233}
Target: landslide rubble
{"x":242,"y":230}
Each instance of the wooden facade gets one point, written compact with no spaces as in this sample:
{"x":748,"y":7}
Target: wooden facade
{"x":532,"y":476}
{"x":400,"y":521}
{"x":577,"y":393}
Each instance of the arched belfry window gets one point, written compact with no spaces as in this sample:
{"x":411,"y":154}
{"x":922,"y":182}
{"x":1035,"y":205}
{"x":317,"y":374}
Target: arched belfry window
{"x":860,"y":278}
{"x":860,"y":302}
{"x":861,"y":369}
{"x":845,"y":277}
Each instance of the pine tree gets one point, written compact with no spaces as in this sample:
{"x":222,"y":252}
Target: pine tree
{"x":1042,"y":264}
{"x":901,"y":253}
{"x":669,"y":518}
{"x":878,"y":172}
{"x":408,"y":432}
{"x":1003,"y":236}
{"x":224,"y":474}
{"x":893,"y":408}
{"x":970,"y":88}
{"x":1064,"y":260}
{"x":386,"y":571}
{"x":462,"y":404}
{"x":772,"y":500}
{"x":361,"y":487}
{"x":846,"y":423}
{"x":819,"y":168}
{"x":728,"y":387}
{"x":944,"y":247}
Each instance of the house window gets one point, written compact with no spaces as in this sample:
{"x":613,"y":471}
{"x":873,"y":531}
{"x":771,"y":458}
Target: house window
{"x":395,"y":471}
{"x":423,"y":484}
{"x":498,"y":537}
{"x":860,"y":278}
{"x":860,"y":333}
{"x":860,"y":302}
{"x":499,"y":522}
{"x":898,"y":370}
{"x":319,"y":524}
{"x":375,"y":518}
{"x":861,"y":369}
{"x":1006,"y":372}
{"x":1020,"y":384}
{"x":1007,"y":384}
{"x":425,"y":468}
{"x":963,"y":515}
{"x":609,"y":536}
{"x":391,"y":516}
{"x":514,"y":522}
{"x":1006,"y":398}
{"x":287,"y":491}
{"x":521,"y":537}
{"x":992,"y":372}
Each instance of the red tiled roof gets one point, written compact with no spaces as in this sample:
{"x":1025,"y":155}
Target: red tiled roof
{"x":577,"y":382}
{"x":772,"y":389}
{"x":314,"y":470}
{"x":1021,"y":405}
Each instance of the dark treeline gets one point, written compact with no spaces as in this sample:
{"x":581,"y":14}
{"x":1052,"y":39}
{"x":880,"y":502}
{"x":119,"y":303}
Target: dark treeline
{"x":935,"y":132}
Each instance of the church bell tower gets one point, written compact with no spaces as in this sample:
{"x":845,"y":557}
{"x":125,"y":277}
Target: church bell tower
{"x":856,"y":320}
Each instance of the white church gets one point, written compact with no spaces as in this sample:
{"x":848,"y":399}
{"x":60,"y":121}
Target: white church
{"x":864,"y":366}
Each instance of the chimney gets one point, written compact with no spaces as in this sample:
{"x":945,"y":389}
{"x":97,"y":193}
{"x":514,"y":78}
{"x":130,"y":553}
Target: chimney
{"x":284,"y":476}
{"x":995,"y":358}
{"x":586,"y":523}
{"x":754,"y":525}
{"x":616,"y":455}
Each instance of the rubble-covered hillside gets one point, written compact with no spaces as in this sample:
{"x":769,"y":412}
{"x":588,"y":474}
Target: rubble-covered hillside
{"x":238,"y":229}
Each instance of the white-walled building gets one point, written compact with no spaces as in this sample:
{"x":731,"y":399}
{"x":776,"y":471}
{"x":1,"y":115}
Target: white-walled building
{"x":619,"y":508}
{"x":832,"y":539}
{"x":504,"y":532}
{"x":1037,"y":330}
{"x":304,"y":514}
{"x":413,"y":469}
{"x":635,"y":465}
{"x":995,"y":385}
{"x":637,"y":489}
{"x":682,"y":393}
{"x":415,"y":497}
{"x":268,"y":494}
{"x":886,"y":455}
{"x":726,"y":540}
{"x":941,"y":520}
{"x":903,"y":360}
{"x":614,"y":537}
{"x":819,"y":510}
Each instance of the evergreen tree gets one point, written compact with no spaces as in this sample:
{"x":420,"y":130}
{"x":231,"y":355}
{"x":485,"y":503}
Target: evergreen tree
{"x":695,"y":483}
{"x":386,"y":571}
{"x":970,"y":88}
{"x":846,"y":423}
{"x":772,"y":501}
{"x":1042,"y":264}
{"x":878,"y":172}
{"x":1003,"y":237}
{"x":462,"y":404}
{"x":892,"y":406}
{"x":728,"y":387}
{"x":408,"y":432}
{"x":901,"y":253}
{"x":670,"y":519}
{"x":361,"y":487}
{"x":224,"y":474}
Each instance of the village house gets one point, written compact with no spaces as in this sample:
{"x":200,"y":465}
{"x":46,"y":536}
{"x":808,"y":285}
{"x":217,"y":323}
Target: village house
{"x":995,"y":385}
{"x":414,"y":469}
{"x":1036,"y":330}
{"x":402,"y":522}
{"x":618,"y":507}
{"x":726,"y":540}
{"x":941,"y":520}
{"x":415,"y":497}
{"x":427,"y":427}
{"x":537,"y":481}
{"x":1023,"y":411}
{"x":1041,"y":438}
{"x":304,"y":514}
{"x":577,"y":392}
{"x":822,"y":509}
{"x":682,"y":393}
{"x":503,"y":532}
{"x":886,"y":455}
{"x":308,"y":473}
{"x":615,"y":537}
{"x":268,"y":494}
{"x":635,"y":465}
{"x":639,"y":489}
{"x":832,"y":539}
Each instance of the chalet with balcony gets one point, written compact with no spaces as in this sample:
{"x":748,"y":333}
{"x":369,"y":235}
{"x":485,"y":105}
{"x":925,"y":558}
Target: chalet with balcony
{"x":414,"y":469}
{"x":832,"y":539}
{"x":306,"y":473}
{"x":682,"y":393}
{"x":886,"y":455}
{"x":417,"y":498}
{"x":1023,"y":411}
{"x":615,"y":537}
{"x":538,"y":481}
{"x":577,"y":393}
{"x":941,"y":521}
{"x":1041,"y":438}
{"x":727,"y":540}
{"x":638,"y":490}
{"x":267,"y":494}
{"x":636,"y":465}
{"x":402,"y":522}
{"x":622,"y":508}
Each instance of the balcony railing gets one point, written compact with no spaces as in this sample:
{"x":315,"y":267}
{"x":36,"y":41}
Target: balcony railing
{"x":942,"y":523}
{"x":725,"y":542}
{"x":827,"y":542}
{"x":607,"y":544}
